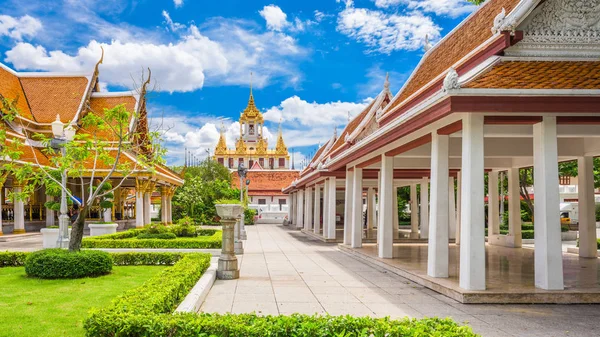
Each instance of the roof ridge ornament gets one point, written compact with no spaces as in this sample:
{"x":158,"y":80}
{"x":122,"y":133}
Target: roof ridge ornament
{"x":386,"y":84}
{"x":451,"y":81}
{"x":499,"y":21}
{"x":427,"y":44}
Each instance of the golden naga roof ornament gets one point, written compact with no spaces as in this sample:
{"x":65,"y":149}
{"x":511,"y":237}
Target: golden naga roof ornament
{"x":222,"y":144}
{"x":251,"y":113}
{"x":240,"y":146}
{"x":261,"y":146}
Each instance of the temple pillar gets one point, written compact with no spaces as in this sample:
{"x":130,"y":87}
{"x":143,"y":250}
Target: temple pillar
{"x":424,"y":209}
{"x":308,"y":212}
{"x":493,"y":204}
{"x":587,"y":208}
{"x":472,"y":234}
{"x":414,"y":211}
{"x":139,"y":207}
{"x":548,"y":247}
{"x":458,"y":207}
{"x":19,"y":212}
{"x":300,"y":210}
{"x":331,"y":208}
{"x":325,"y":207}
{"x":357,"y":208}
{"x":164,"y":208}
{"x":317,"y":210}
{"x":385,"y":230}
{"x":514,"y":208}
{"x":371,"y":210}
{"x":348,"y":194}
{"x":437,"y":255}
{"x":451,"y":209}
{"x":395,"y":211}
{"x":49,"y":213}
{"x":291,"y":211}
{"x":147,"y":204}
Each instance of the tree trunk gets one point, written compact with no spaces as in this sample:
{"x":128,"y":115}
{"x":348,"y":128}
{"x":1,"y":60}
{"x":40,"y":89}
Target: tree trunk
{"x":77,"y":230}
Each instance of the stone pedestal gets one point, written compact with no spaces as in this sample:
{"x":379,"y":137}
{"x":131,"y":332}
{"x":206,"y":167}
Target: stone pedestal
{"x":227,"y":268}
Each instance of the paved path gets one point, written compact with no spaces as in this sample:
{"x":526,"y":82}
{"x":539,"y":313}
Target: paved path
{"x":283,"y":272}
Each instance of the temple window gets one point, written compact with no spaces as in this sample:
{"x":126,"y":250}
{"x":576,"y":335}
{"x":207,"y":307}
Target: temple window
{"x":271,"y":163}
{"x":220,"y":161}
{"x":261,"y":161}
{"x":230,"y":162}
{"x":251,"y":129}
{"x":281,"y":162}
{"x":250,"y":163}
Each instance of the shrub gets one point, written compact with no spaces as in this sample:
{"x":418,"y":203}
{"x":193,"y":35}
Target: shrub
{"x":251,"y":325}
{"x":187,"y":221}
{"x":145,"y":259}
{"x":597,"y":212}
{"x":564,"y":228}
{"x":183,"y":230}
{"x":527,"y":234}
{"x":155,"y":229}
{"x":164,"y":236}
{"x":527,"y":227}
{"x":249,"y":216}
{"x":60,"y":263}
{"x":12,"y":259}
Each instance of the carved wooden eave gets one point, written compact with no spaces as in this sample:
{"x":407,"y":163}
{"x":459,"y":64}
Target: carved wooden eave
{"x":370,"y":121}
{"x":328,"y":147}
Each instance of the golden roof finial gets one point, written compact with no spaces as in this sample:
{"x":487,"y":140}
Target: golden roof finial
{"x":251,"y":112}
{"x":250,"y":84}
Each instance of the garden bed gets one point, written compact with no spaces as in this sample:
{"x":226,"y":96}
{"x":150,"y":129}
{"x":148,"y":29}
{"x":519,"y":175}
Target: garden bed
{"x":207,"y":238}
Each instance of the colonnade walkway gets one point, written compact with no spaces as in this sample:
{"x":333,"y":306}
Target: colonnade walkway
{"x":283,"y":271}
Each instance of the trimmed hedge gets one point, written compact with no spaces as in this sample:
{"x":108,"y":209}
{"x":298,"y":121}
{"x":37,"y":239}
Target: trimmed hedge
{"x":60,"y":264}
{"x":12,"y":259}
{"x":208,"y":238}
{"x":164,"y":236}
{"x":251,"y":325}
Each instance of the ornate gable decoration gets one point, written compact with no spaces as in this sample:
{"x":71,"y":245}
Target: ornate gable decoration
{"x":371,"y":127}
{"x":561,"y":28}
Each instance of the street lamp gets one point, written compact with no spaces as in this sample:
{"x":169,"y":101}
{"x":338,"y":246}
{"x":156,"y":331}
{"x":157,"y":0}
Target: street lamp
{"x":62,"y":136}
{"x":242,"y":171}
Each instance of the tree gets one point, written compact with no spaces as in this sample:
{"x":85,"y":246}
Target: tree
{"x":476,"y":2}
{"x":97,"y":155}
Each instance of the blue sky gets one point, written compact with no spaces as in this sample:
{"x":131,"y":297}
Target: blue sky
{"x":313,"y":61}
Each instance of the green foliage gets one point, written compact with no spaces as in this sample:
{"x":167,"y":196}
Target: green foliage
{"x":249,"y":215}
{"x":403,"y":197}
{"x":183,"y":231}
{"x":570,"y":169}
{"x":252,"y":325}
{"x":597,"y":212}
{"x":155,"y":228}
{"x":128,"y":240}
{"x":162,"y":236}
{"x":12,"y":259}
{"x":60,"y":263}
{"x":476,"y":2}
{"x":159,"y":295}
{"x":527,"y":234}
{"x":146,"y":259}
{"x":228,"y":202}
{"x":186,"y":221}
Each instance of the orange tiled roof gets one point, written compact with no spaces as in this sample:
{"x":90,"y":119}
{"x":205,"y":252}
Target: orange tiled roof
{"x":99,"y":103}
{"x":540,"y":75}
{"x":49,"y":96}
{"x":266,"y":182}
{"x":10,"y":88}
{"x":354,"y":123}
{"x":473,"y":32}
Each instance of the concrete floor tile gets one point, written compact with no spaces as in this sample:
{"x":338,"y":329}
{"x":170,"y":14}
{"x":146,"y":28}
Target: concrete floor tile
{"x":355,"y":309}
{"x":253,"y":297}
{"x":393,"y":310}
{"x":260,"y":308}
{"x":288,"y":308}
{"x":337,"y":298}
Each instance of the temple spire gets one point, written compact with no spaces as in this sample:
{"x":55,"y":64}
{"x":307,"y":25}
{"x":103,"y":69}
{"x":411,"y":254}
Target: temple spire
{"x":386,"y":84}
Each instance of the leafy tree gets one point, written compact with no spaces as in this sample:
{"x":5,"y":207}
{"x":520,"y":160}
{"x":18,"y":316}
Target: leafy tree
{"x":476,"y":2}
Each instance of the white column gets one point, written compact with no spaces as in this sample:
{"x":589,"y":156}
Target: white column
{"x":147,"y":203}
{"x":472,"y":233}
{"x":170,"y":208}
{"x":292,"y":208}
{"x":370,"y":208}
{"x":458,"y":207}
{"x":139,"y":208}
{"x":587,"y":208}
{"x":451,"y":209}
{"x":395,"y":211}
{"x":164,"y":208}
{"x":424,"y":209}
{"x":300,"y":210}
{"x":348,"y":207}
{"x":331,"y":209}
{"x":437,"y":250}
{"x":49,"y":213}
{"x":514,"y":208}
{"x":325,"y":207}
{"x":414,"y":210}
{"x":19,"y":213}
{"x":493,"y":204}
{"x":308,"y":213}
{"x":548,"y":248}
{"x":357,"y":208}
{"x":385,"y":230}
{"x":317,"y":210}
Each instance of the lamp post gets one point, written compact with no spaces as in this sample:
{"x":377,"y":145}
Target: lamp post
{"x":62,"y":136}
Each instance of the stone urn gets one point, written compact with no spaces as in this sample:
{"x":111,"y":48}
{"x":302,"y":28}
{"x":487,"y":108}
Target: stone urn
{"x":97,"y":229}
{"x":228,"y":264}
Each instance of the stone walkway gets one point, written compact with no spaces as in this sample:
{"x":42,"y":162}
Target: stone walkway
{"x":284,"y":272}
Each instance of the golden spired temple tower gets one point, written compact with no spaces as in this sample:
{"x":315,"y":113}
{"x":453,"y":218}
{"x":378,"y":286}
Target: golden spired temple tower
{"x":252,"y":148}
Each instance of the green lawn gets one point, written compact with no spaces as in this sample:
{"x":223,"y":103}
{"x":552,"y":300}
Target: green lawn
{"x":33,"y":307}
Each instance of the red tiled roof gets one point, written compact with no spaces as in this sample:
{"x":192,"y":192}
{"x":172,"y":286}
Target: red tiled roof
{"x":351,"y":127}
{"x":266,"y":182}
{"x":540,"y":75}
{"x":10,"y":88}
{"x":473,"y":32}
{"x":49,"y":96}
{"x":98,"y":104}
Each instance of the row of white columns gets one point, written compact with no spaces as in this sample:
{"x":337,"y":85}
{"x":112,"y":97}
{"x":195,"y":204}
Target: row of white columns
{"x":305,"y":211}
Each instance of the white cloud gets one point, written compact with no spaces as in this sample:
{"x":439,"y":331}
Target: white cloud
{"x":172,"y":26}
{"x":276,"y":19}
{"x":295,"y":109}
{"x":223,"y":54}
{"x":376,"y":78}
{"x":319,"y":16}
{"x":452,"y":8}
{"x":18,"y":28}
{"x":178,"y":3}
{"x":387,"y":32}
